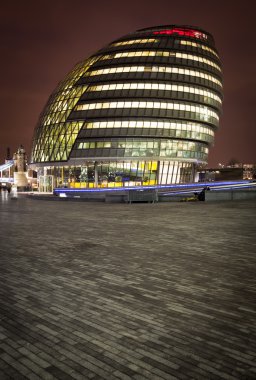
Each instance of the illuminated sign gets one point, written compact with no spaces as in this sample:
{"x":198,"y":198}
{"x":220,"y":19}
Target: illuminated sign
{"x":183,"y":32}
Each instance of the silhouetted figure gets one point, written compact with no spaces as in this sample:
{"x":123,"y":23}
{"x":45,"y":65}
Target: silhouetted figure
{"x":201,"y":195}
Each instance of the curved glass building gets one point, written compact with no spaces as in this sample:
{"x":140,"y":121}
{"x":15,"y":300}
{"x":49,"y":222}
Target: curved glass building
{"x":141,"y":111}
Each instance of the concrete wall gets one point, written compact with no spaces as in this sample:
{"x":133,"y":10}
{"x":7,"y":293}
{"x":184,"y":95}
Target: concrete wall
{"x":231,"y":195}
{"x":124,"y":197}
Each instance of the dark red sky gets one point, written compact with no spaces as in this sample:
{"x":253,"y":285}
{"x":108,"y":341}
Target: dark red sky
{"x":42,"y":40}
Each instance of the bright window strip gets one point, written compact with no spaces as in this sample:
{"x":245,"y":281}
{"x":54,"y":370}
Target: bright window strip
{"x":191,"y":127}
{"x":154,"y":86}
{"x":161,"y":53}
{"x":160,"y":69}
{"x":198,"y":59}
{"x":142,"y":144}
{"x":131,"y":42}
{"x":203,"y":47}
{"x":203,"y":111}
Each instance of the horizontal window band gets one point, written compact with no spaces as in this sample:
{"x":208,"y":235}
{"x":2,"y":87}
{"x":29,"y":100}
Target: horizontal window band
{"x":146,"y":133}
{"x":153,"y":86}
{"x":176,"y":42}
{"x":137,"y":41}
{"x":154,"y":69}
{"x":197,"y":45}
{"x":133,"y":143}
{"x":204,"y":111}
{"x":160,"y":53}
{"x":191,"y":127}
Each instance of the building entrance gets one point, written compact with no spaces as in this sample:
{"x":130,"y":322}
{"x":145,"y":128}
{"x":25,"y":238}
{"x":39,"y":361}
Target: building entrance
{"x":46,"y":184}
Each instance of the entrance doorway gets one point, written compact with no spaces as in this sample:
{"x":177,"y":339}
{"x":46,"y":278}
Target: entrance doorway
{"x":46,"y":184}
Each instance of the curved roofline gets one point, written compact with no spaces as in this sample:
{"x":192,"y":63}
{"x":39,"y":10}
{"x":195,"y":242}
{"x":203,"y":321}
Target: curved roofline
{"x":173,"y":26}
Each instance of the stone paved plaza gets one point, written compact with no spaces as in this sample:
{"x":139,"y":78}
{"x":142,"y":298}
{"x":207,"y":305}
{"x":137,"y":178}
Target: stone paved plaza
{"x":119,"y":291}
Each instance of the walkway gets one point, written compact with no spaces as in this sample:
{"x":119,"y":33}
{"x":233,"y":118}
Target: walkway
{"x":118,"y":291}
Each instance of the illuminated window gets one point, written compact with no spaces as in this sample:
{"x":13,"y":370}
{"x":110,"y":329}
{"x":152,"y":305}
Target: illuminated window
{"x":161,"y":53}
{"x":201,"y":110}
{"x":138,"y":147}
{"x":195,"y":44}
{"x":186,"y":131}
{"x":198,"y":59}
{"x":155,"y":86}
{"x":131,"y":42}
{"x":171,"y":70}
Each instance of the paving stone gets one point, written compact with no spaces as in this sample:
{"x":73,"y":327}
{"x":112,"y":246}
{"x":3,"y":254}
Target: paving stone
{"x":58,"y":373}
{"x":35,"y":368}
{"x":116,"y":291}
{"x":11,"y":362}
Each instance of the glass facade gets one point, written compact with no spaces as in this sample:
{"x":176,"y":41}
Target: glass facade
{"x":142,"y":110}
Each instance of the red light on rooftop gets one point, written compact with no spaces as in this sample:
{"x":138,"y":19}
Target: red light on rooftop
{"x":183,"y":32}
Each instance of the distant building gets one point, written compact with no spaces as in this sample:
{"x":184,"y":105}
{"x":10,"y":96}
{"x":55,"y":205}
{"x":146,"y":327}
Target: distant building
{"x":249,"y":171}
{"x":235,"y":172}
{"x":142,"y":110}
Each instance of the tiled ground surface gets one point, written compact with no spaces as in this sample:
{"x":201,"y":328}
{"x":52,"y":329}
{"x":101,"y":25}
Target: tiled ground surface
{"x":116,"y":291}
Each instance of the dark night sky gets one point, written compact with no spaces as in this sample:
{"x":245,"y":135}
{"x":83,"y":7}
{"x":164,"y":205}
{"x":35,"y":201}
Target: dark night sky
{"x":43,"y":40}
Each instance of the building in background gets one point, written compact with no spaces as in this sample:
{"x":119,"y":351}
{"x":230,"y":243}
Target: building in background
{"x":228,"y":172}
{"x":249,"y":171}
{"x":141,"y":111}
